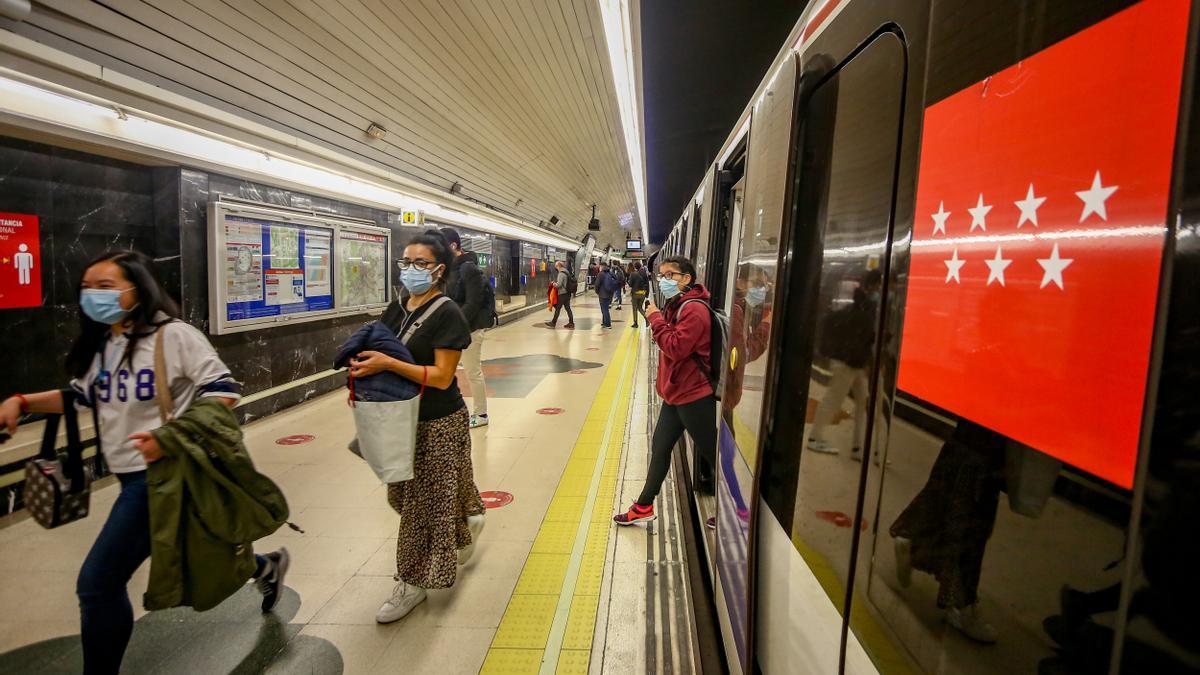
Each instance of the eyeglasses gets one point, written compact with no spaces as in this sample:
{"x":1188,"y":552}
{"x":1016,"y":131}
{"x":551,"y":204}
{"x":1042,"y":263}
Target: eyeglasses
{"x":419,"y":263}
{"x":669,"y":275}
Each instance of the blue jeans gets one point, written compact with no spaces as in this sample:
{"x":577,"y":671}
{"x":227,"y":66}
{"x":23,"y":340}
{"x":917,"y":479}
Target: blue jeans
{"x":606,"y":320}
{"x":106,"y":617}
{"x":617,"y":297}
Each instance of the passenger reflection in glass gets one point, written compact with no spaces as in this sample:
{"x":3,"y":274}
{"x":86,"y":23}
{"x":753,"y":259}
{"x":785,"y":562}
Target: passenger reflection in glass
{"x":945,"y":529}
{"x":847,"y":339}
{"x":749,"y":334}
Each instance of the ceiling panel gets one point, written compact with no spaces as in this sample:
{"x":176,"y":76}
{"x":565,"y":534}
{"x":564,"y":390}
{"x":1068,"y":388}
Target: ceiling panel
{"x":514,"y":100}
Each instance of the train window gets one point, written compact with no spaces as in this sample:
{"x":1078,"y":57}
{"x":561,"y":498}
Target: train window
{"x":997,"y":524}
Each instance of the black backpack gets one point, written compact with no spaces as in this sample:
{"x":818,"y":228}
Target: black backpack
{"x":572,"y":284}
{"x":718,"y":350}
{"x":489,"y":303}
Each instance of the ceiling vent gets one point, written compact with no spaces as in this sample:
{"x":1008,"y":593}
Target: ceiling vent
{"x":375,"y":131}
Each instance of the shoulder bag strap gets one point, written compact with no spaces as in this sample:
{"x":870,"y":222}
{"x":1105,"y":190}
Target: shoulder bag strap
{"x":73,"y":467}
{"x":433,"y":307}
{"x":162,"y":385}
{"x":50,"y":435}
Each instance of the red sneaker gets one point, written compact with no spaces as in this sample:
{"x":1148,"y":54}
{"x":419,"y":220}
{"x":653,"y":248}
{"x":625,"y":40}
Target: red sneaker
{"x":636,"y":514}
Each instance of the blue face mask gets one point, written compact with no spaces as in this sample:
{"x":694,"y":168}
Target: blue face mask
{"x":416,"y":281}
{"x":103,"y":305}
{"x":668,"y":287}
{"x":756,"y":296}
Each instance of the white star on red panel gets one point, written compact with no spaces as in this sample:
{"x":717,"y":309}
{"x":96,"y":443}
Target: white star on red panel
{"x":978,"y":213}
{"x":1052,"y":268}
{"x":1094,"y":198}
{"x":939,"y":218}
{"x":953,"y":265}
{"x":996,"y":267}
{"x":1029,"y":207}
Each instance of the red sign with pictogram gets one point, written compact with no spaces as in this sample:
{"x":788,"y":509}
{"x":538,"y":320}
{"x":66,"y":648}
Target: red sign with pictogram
{"x":1040,"y":223}
{"x":20,"y":261}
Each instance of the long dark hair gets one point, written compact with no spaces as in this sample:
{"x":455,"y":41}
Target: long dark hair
{"x":143,"y":319}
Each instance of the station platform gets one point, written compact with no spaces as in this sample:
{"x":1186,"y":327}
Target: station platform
{"x":553,"y":587}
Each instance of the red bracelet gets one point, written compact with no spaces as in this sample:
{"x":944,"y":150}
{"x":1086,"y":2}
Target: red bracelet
{"x":24,"y":402}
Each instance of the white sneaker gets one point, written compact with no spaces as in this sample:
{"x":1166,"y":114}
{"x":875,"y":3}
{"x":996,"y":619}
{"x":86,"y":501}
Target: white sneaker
{"x":475,"y":524}
{"x":821,"y":446}
{"x":479,"y":421}
{"x":970,"y":623}
{"x":404,"y":598}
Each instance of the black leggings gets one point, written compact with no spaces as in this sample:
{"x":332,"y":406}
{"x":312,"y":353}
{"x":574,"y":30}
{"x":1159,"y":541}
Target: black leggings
{"x":699,"y":418}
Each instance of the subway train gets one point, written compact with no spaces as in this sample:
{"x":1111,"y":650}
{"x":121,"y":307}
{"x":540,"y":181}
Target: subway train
{"x":957,"y":245}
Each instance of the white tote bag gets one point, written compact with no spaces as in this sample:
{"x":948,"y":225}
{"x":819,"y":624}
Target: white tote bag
{"x":387,"y":436}
{"x":387,"y":430}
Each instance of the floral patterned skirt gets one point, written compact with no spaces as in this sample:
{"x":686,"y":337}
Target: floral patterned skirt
{"x":435,"y":503}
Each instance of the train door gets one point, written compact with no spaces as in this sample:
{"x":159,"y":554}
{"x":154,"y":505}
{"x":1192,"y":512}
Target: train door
{"x":814,"y":465}
{"x":758,"y":207}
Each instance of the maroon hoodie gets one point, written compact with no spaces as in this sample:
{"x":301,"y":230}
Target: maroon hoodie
{"x":683,"y":341}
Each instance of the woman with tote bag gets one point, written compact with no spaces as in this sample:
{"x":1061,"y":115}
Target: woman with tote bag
{"x":441,"y":514}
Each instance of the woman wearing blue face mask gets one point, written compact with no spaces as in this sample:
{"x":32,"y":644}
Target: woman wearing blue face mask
{"x":122,"y":307}
{"x":681,"y":331}
{"x":441,"y":514}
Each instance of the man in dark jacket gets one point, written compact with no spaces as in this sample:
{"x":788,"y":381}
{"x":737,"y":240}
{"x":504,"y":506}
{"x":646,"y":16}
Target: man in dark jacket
{"x":639,"y":291}
{"x":465,"y":287}
{"x":562,"y":281}
{"x":606,"y":286}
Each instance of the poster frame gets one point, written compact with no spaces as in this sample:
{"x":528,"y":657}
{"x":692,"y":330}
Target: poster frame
{"x":220,"y":324}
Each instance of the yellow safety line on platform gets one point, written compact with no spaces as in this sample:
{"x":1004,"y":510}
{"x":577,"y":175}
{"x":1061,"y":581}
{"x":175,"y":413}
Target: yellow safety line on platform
{"x":551,"y":617}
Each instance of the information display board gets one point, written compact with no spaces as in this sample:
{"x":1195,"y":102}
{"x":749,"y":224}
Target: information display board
{"x":269,"y":266}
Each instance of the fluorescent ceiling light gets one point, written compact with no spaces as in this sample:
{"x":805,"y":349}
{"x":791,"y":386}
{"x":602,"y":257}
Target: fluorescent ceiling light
{"x":618,"y":35}
{"x":113,"y":124}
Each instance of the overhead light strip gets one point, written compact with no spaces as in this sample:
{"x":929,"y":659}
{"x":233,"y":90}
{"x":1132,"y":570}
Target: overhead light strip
{"x":619,"y":36}
{"x":131,"y":128}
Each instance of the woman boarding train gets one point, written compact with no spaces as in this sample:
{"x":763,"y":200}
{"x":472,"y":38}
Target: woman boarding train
{"x":681,"y":330}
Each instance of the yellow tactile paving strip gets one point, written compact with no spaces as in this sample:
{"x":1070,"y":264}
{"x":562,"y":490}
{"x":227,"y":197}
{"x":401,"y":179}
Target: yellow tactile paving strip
{"x":520,"y":646}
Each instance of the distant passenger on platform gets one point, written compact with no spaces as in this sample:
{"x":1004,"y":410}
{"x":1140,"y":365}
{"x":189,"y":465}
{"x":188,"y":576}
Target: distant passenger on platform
{"x":848,"y":337}
{"x":441,"y":514}
{"x":639,"y":291}
{"x":564,"y":281}
{"x":465,"y":286}
{"x":681,"y":331}
{"x":619,"y":273}
{"x":112,"y":364}
{"x":606,"y":286}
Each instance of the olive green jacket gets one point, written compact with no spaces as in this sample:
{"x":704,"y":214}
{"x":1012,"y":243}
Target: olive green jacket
{"x":208,"y":505}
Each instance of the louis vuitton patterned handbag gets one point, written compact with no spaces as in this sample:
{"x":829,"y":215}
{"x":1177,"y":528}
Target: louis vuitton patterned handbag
{"x":58,"y":487}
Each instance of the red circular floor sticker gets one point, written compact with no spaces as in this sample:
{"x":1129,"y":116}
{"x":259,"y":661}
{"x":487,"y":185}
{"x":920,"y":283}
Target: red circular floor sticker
{"x":593,"y":349}
{"x":494,"y":500}
{"x":578,"y":371}
{"x":550,"y":411}
{"x":295,"y":439}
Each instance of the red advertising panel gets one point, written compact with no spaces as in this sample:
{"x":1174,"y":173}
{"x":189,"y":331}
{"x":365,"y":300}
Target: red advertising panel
{"x":1039,"y":231}
{"x":20,"y":261}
